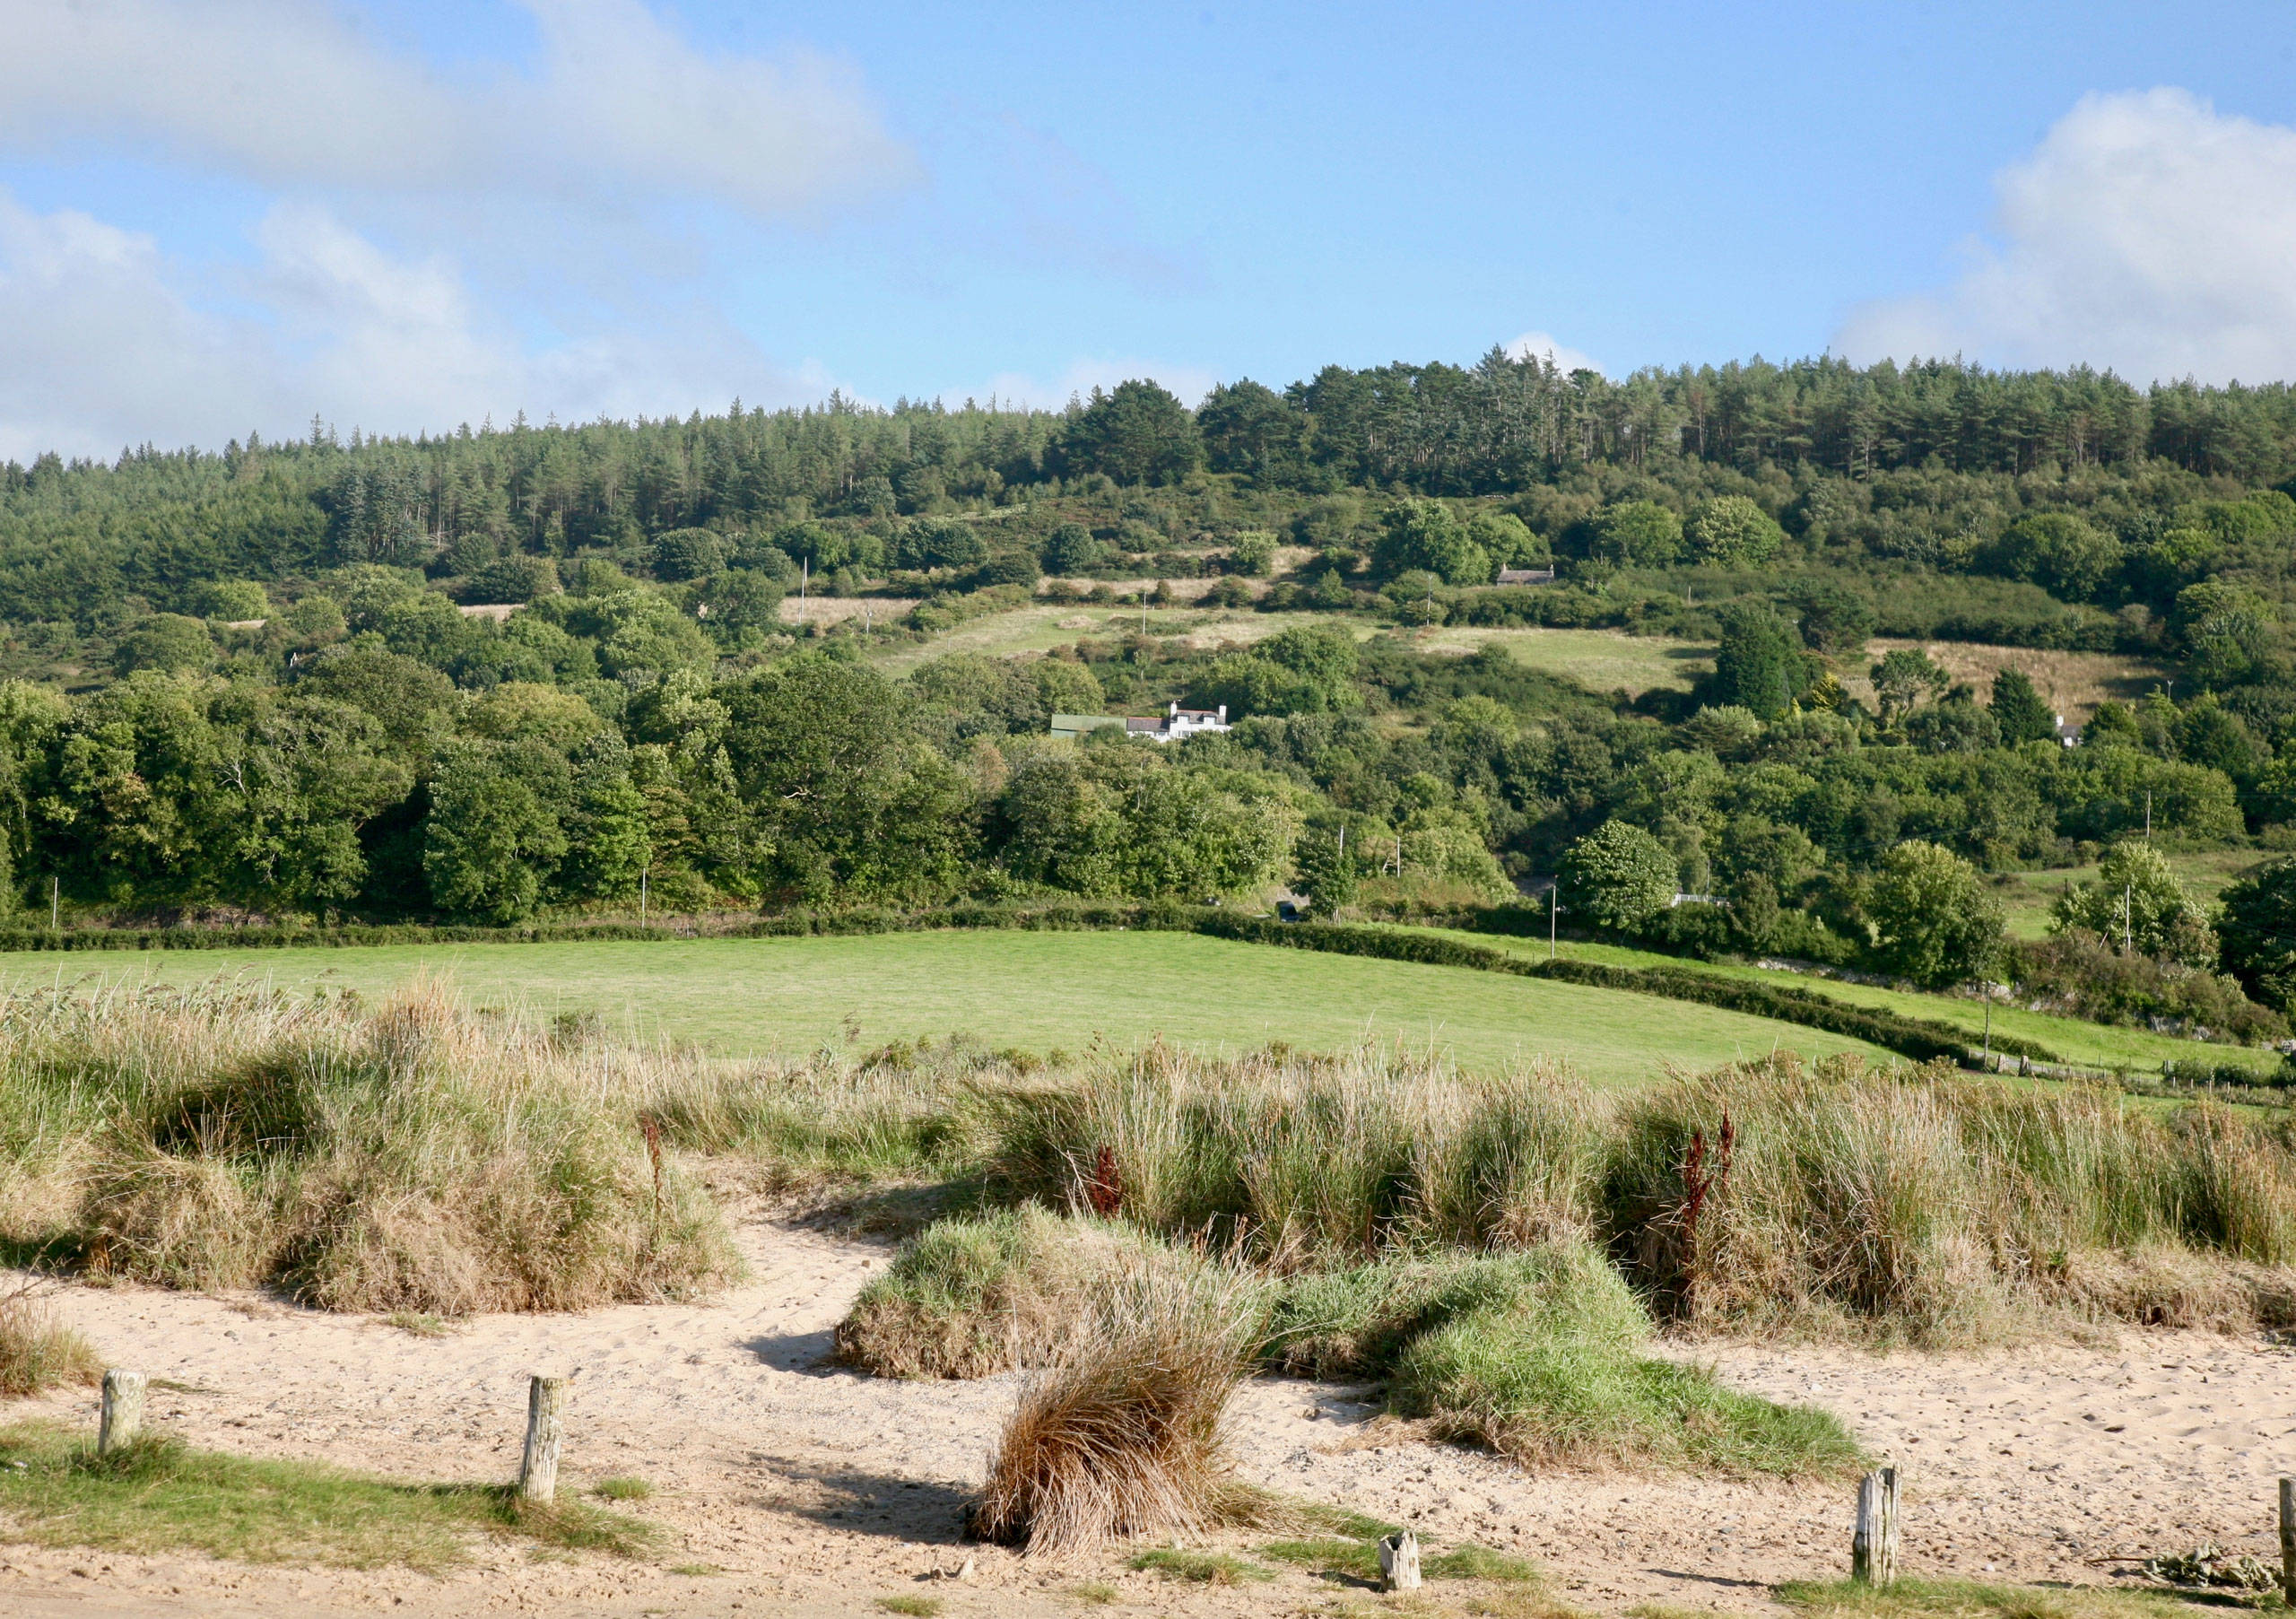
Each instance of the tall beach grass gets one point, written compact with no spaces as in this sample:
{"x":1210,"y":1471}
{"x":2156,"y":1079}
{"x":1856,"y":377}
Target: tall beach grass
{"x":1913,"y":1201}
{"x":408,"y":1156}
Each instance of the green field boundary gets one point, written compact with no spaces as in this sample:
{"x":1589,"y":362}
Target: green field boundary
{"x":1923,"y":1039}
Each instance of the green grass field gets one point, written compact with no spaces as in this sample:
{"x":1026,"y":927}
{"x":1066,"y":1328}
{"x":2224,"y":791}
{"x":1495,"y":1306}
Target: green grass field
{"x":1601,"y":660}
{"x":1039,"y":991}
{"x":1041,"y":628}
{"x":2098,"y":1045}
{"x":2027,"y":895}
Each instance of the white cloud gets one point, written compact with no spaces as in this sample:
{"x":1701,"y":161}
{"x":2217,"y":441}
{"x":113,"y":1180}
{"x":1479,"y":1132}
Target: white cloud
{"x":1188,"y":383}
{"x":1543,"y":347}
{"x":2147,"y":232}
{"x":296,"y":91}
{"x":105,"y":342}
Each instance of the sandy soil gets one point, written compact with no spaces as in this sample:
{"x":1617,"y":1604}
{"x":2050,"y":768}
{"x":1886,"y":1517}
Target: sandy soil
{"x":811,"y":1491}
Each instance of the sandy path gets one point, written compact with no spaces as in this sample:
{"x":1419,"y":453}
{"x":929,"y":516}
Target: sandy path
{"x":812,"y":1490}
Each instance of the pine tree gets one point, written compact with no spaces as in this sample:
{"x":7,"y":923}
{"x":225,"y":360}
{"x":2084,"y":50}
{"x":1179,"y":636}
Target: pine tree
{"x":2019,"y":709}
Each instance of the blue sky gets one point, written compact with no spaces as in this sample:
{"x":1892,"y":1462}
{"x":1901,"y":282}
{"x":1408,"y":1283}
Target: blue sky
{"x":223,"y":214}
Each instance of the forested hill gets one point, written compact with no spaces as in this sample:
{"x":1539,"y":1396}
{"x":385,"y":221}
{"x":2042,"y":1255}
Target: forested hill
{"x":513,"y":672}
{"x":1923,"y":456}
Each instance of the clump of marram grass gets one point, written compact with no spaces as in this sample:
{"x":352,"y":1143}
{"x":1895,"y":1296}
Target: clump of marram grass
{"x":894,"y":1113}
{"x":36,"y":1351}
{"x":1944,"y":1209}
{"x":1540,"y":1361}
{"x":1307,"y":1159}
{"x":1915,"y":1203}
{"x":1121,"y":1434}
{"x":1536,"y":1354}
{"x":969,"y":1297}
{"x":411,"y":1157}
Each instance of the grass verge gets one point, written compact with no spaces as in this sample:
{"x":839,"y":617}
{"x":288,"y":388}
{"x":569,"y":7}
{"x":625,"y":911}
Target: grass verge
{"x":158,"y":1495}
{"x":1205,"y":1568}
{"x":1963,"y":1600}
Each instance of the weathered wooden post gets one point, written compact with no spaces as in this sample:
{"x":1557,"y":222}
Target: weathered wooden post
{"x":2288,"y":1540}
{"x":1399,"y":1560}
{"x":123,"y":1411}
{"x":545,"y":1432}
{"x":1873,"y":1551}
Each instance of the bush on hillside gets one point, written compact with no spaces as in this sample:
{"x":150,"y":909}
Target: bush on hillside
{"x":2087,"y":975}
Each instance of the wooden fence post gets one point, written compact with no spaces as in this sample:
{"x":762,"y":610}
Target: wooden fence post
{"x":123,"y":1410}
{"x":545,"y":1432}
{"x":2288,"y":1540}
{"x":1873,"y":1551}
{"x":1399,"y":1560}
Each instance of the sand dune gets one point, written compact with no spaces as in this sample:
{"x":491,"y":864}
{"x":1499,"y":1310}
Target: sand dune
{"x":814,"y":1491}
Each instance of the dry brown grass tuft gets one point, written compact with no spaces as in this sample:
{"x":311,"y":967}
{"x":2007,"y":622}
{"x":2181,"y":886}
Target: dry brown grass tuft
{"x":1121,"y":1435}
{"x":36,"y":1351}
{"x":413,"y":1156}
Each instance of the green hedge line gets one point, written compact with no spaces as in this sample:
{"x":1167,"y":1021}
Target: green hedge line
{"x":1921,"y":1039}
{"x":796,"y":923}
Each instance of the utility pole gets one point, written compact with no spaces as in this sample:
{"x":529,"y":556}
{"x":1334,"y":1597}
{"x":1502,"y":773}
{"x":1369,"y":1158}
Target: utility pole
{"x":804,"y":572}
{"x":2127,"y":917}
{"x":643,"y":873}
{"x":55,"y":903}
{"x":1553,"y":904}
{"x":2148,"y":814}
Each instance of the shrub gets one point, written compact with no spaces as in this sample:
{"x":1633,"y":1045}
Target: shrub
{"x":1251,"y":552}
{"x":2086,"y":975}
{"x":1730,"y":529}
{"x":1618,"y":877}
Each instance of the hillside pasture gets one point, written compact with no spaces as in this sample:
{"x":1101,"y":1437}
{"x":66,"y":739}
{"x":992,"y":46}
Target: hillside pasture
{"x":1037,"y":992}
{"x":1601,"y":660}
{"x":1026,"y":630}
{"x":2073,"y":683}
{"x":2028,"y":895}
